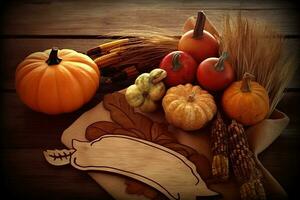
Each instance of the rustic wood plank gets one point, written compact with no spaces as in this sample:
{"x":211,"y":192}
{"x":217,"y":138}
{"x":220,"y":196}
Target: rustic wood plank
{"x":290,"y":105}
{"x":102,"y":18}
{"x":15,"y":50}
{"x":282,"y":161}
{"x":285,"y":20}
{"x":26,"y":175}
{"x":25,"y":128}
{"x":267,"y":4}
{"x":281,"y":158}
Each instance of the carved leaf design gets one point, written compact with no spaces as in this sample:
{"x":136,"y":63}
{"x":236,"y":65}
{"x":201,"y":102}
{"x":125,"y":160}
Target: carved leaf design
{"x":100,"y":128}
{"x":123,"y":114}
{"x":128,"y":122}
{"x":139,"y":188}
{"x":203,"y":166}
{"x":160,"y":134}
{"x":122,"y":131}
{"x":58,"y":157}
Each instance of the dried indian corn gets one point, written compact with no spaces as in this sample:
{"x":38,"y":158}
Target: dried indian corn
{"x":124,"y":59}
{"x":105,"y":48}
{"x":219,"y":146}
{"x":243,"y":163}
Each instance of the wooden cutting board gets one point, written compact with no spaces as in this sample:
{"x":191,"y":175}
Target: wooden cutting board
{"x":260,"y":137}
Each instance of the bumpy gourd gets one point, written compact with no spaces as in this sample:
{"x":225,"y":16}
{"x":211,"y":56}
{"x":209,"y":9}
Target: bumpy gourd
{"x":147,"y":89}
{"x":57,"y":81}
{"x":188,"y":107}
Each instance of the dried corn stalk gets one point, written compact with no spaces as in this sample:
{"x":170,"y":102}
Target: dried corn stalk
{"x":219,"y":146}
{"x":244,"y":165}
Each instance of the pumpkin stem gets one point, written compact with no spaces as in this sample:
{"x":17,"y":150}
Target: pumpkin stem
{"x":246,"y":82}
{"x":176,"y":64}
{"x":219,"y":66}
{"x":53,"y":58}
{"x":199,"y":27}
{"x":191,"y":97}
{"x":145,"y":94}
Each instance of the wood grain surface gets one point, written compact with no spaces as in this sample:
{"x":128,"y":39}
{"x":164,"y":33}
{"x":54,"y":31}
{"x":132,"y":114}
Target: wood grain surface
{"x":35,"y":25}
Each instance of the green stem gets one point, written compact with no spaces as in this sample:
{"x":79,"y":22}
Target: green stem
{"x":219,"y":66}
{"x":246,"y":82}
{"x":53,"y":57}
{"x":176,"y":64}
{"x":191,"y":97}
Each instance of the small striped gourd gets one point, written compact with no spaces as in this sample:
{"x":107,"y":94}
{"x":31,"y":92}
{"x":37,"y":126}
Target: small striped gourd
{"x":147,"y":89}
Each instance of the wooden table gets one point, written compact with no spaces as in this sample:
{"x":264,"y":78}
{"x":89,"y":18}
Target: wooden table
{"x":36,"y":25}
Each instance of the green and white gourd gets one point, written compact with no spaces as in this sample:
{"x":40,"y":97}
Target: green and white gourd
{"x":147,"y":89}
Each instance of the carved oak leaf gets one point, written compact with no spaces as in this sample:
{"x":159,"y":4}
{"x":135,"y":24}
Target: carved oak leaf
{"x":161,"y":135}
{"x":123,"y":114}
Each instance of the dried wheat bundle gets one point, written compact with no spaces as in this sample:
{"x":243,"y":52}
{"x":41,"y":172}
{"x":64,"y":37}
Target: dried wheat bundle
{"x":257,"y":48}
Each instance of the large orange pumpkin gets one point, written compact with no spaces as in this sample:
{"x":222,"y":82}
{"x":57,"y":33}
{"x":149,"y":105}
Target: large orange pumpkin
{"x":57,"y":81}
{"x":246,"y":101}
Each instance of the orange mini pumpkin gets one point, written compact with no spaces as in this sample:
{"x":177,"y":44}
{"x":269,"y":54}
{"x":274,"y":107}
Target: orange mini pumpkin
{"x":56,"y":81}
{"x":246,"y":101}
{"x":199,"y":43}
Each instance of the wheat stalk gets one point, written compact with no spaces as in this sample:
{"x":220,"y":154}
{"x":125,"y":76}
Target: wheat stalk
{"x":257,"y":48}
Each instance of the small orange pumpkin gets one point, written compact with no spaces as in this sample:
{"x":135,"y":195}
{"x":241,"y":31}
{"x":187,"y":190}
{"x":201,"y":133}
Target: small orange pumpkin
{"x":56,"y":81}
{"x":188,"y":107}
{"x":246,"y":101}
{"x":199,"y":43}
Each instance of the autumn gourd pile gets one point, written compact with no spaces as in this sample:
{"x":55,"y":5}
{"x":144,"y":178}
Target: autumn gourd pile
{"x":199,"y":80}
{"x":185,"y":84}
